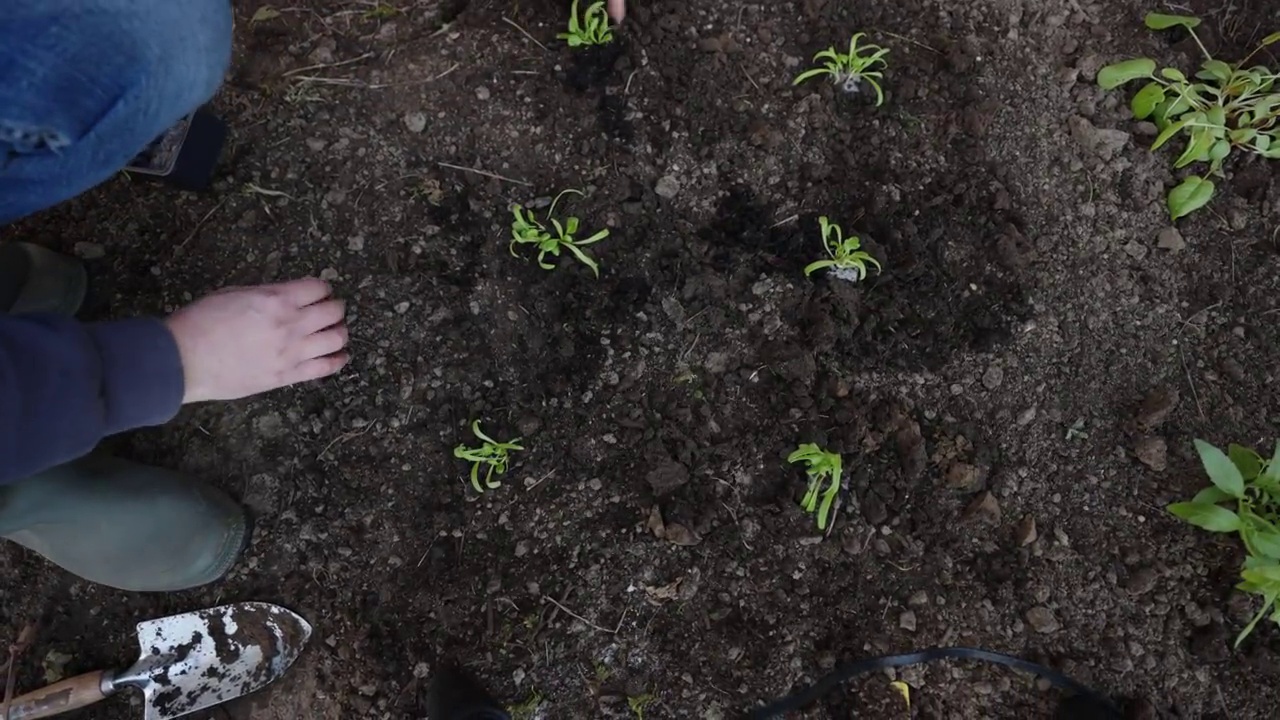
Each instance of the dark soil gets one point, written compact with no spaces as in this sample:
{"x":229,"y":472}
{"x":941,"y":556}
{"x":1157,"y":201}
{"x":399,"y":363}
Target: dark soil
{"x":649,"y":539}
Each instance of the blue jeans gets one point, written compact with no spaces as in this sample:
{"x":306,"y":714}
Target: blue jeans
{"x":86,"y":84}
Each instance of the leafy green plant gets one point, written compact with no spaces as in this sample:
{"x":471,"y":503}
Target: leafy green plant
{"x":1224,"y":108}
{"x":1244,"y":480}
{"x":526,"y":709}
{"x":593,"y":29}
{"x":849,"y":70}
{"x":638,"y":703}
{"x":491,"y":454}
{"x":526,"y":229}
{"x":822,"y":468}
{"x":846,"y":255}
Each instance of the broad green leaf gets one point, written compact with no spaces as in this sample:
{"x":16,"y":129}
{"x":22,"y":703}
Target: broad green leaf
{"x":1173,"y":74}
{"x":1266,"y":543}
{"x":1272,"y":471}
{"x":1222,"y":472}
{"x":1243,"y":137}
{"x":1161,"y":21}
{"x":1169,"y":132}
{"x":1113,"y":76}
{"x":1213,"y":518}
{"x":1145,"y":101}
{"x":1248,"y":462}
{"x":1193,"y":194}
{"x":1262,"y":142}
{"x":1216,"y":115}
{"x":1271,"y":39}
{"x":1211,"y":495}
{"x":1262,"y":575}
{"x":1215,"y":70}
{"x":264,"y":13}
{"x":1220,"y":150}
{"x":1197,"y":148}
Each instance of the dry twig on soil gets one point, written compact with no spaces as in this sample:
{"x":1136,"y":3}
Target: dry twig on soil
{"x":25,"y":640}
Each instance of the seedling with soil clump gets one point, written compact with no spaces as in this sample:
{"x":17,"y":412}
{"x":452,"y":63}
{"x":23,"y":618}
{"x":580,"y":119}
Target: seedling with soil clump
{"x":847,"y":258}
{"x":491,"y":454}
{"x":526,"y":229}
{"x":823,"y":468}
{"x":1231,"y":107}
{"x":849,"y":70}
{"x":593,"y":29}
{"x":1244,"y":479}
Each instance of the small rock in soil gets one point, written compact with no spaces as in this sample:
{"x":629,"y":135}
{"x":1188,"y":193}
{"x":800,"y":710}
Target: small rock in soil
{"x":415,"y":121}
{"x":1170,"y":239}
{"x":1042,"y":620}
{"x":482,"y":93}
{"x":655,"y":523}
{"x":918,"y":599}
{"x":89,"y":251}
{"x":1141,"y":581}
{"x":355,"y":243}
{"x":983,"y":509}
{"x":1136,"y":250}
{"x":1103,"y":142}
{"x":1157,"y":406}
{"x":907,"y":621}
{"x":992,"y":378}
{"x":528,"y":425}
{"x":668,"y":476}
{"x":667,"y":187}
{"x":911,"y":451}
{"x":1025,"y":533}
{"x":1152,"y":452}
{"x":964,"y":477}
{"x":681,"y":535}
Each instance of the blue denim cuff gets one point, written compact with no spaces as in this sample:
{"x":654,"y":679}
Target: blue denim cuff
{"x":142,"y":381}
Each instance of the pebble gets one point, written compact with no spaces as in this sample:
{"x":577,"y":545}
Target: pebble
{"x":1141,"y":581}
{"x":482,"y":93}
{"x":1026,"y":416}
{"x":1170,"y":239}
{"x":907,"y":621}
{"x":316,"y":144}
{"x":355,"y":243}
{"x":1025,"y":533}
{"x":992,"y":378}
{"x":919,"y":598}
{"x":89,"y":250}
{"x":522,"y":548}
{"x":328,"y":274}
{"x":1042,"y":620}
{"x":983,"y":509}
{"x":667,"y":187}
{"x":415,"y":121}
{"x":1136,"y":250}
{"x":1157,"y":406}
{"x":1153,"y":452}
{"x":965,"y":477}
{"x":402,"y":307}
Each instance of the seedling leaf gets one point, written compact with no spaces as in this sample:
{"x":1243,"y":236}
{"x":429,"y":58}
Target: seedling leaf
{"x":1222,"y":472}
{"x":1145,"y":101}
{"x":1117,"y":74}
{"x":1193,"y":194}
{"x":1161,"y":21}
{"x":1213,"y":518}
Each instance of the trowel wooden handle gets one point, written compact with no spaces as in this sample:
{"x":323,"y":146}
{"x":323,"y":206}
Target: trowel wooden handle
{"x":57,"y":698}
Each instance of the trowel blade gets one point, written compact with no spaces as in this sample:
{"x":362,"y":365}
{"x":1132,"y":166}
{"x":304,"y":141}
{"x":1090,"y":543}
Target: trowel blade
{"x":196,"y":660}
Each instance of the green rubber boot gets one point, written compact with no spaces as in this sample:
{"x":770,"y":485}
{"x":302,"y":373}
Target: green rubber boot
{"x":108,"y":520}
{"x":125,"y":525}
{"x":36,"y":280}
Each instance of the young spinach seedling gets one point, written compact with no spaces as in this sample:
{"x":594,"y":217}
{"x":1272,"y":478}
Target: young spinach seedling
{"x":1227,"y":107}
{"x":849,"y":261}
{"x":848,"y":70}
{"x":821,"y":467}
{"x":491,"y":453}
{"x":594,"y":28}
{"x":526,"y":229}
{"x":1244,"y":479}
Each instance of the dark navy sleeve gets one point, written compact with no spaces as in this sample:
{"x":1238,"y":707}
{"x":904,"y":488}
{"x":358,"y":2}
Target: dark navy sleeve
{"x":65,"y":385}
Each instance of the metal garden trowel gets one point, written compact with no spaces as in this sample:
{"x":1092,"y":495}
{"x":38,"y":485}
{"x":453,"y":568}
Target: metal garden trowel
{"x":189,"y":662}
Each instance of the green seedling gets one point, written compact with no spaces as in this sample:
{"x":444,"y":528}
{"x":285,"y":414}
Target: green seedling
{"x":849,"y":70}
{"x":528,"y":230}
{"x":823,"y":468}
{"x":526,"y":709}
{"x":846,"y":255}
{"x":1224,"y":108}
{"x":638,"y":703}
{"x":491,"y":454}
{"x":593,"y":29}
{"x":1243,"y":480}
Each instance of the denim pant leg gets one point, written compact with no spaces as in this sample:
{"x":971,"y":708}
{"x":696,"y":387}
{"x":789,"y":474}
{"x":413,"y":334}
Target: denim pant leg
{"x":86,"y":84}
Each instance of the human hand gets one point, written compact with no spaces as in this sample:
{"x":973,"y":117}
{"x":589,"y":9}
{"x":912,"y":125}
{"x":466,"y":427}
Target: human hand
{"x":243,"y":341}
{"x":618,"y":10}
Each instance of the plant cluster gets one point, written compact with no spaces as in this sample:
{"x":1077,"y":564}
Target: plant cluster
{"x":849,"y":70}
{"x":593,"y":29}
{"x":1225,"y":108}
{"x":825,"y":470}
{"x":1244,"y":498}
{"x":526,"y":229}
{"x":492,"y":455}
{"x":846,"y":255}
